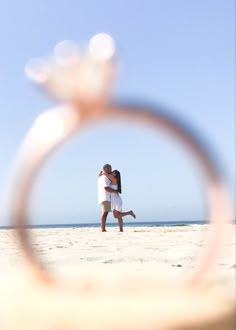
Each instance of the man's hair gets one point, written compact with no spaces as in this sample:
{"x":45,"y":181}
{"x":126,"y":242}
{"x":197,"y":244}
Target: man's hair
{"x":105,"y":166}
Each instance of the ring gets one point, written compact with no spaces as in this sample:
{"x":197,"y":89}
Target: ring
{"x":82,"y":83}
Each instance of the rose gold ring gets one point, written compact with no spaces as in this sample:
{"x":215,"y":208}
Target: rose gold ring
{"x":82,"y":82}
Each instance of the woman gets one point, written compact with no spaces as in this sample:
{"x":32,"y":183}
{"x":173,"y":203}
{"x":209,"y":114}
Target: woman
{"x":116,"y":201}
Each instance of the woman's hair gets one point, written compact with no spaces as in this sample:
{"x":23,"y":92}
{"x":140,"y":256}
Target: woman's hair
{"x":117,"y":175}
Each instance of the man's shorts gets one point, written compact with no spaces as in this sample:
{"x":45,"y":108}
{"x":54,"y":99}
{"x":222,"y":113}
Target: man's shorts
{"x":106,"y":206}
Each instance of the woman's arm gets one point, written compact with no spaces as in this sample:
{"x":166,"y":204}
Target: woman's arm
{"x":110,"y":177}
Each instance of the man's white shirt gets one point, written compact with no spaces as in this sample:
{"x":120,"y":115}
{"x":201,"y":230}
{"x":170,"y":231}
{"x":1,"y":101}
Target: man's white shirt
{"x":103,"y":195}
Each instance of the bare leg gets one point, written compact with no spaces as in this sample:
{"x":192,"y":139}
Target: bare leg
{"x":103,"y":221}
{"x":132,"y":214}
{"x":120,"y":221}
{"x":118,"y":214}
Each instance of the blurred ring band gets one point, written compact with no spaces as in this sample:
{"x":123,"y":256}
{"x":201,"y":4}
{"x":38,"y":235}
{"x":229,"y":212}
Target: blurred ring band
{"x":60,"y":124}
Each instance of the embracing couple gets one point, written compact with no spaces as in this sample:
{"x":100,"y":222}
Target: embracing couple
{"x":109,"y":190}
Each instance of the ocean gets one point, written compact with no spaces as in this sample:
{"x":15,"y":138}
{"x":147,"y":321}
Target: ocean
{"x":114,"y":224}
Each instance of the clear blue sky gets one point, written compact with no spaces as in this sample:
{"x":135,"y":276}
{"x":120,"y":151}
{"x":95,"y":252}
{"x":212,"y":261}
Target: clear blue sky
{"x":179,"y":53}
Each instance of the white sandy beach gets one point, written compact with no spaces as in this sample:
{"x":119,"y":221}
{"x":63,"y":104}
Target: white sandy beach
{"x":142,"y":297}
{"x":173,"y":247}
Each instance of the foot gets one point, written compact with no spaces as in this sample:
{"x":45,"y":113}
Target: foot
{"x":132,"y":214}
{"x":104,"y":230}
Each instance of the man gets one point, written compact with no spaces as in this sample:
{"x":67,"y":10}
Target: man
{"x":104,"y":194}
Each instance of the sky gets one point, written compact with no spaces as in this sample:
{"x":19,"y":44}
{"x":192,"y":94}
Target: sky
{"x":179,"y":54}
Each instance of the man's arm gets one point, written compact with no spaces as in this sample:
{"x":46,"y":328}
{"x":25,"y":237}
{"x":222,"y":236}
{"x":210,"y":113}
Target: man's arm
{"x":110,"y":190}
{"x":106,"y":182}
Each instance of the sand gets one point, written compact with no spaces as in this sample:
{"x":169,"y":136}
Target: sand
{"x":100,"y":291}
{"x":171,"y":247}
